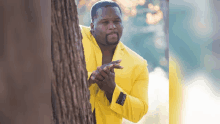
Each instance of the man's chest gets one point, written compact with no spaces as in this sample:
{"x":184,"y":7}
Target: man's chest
{"x":123,"y":77}
{"x":106,"y":59}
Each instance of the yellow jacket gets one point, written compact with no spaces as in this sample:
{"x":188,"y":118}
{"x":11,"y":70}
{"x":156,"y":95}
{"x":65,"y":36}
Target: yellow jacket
{"x":175,"y":92}
{"x":132,"y":80}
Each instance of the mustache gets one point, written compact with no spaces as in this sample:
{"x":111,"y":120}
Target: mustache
{"x":113,"y":33}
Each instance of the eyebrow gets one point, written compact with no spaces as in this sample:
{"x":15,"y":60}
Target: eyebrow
{"x":107,"y":19}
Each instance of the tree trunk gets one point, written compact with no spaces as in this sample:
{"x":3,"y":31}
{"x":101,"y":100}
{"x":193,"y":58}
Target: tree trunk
{"x":25,"y":64}
{"x":165,"y":9}
{"x":70,"y":94}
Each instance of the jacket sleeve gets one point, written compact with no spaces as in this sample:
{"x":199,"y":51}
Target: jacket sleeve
{"x":135,"y":104}
{"x":93,"y":92}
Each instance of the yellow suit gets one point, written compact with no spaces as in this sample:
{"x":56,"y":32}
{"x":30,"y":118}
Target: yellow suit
{"x":132,"y":80}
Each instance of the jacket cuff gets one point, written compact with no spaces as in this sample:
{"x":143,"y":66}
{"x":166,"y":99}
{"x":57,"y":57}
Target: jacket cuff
{"x":118,"y":100}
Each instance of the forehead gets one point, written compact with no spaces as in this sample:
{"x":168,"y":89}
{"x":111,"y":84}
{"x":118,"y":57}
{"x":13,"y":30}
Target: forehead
{"x":108,"y":12}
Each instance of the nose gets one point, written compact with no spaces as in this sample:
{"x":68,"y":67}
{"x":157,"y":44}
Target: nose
{"x":112,"y":26}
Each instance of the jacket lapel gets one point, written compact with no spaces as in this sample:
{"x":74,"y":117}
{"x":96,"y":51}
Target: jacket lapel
{"x":119,"y":52}
{"x":97,"y":50}
{"x":119,"y":55}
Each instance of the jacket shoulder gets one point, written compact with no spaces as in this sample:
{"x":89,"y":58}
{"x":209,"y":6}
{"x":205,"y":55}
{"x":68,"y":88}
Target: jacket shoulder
{"x":84,"y":27}
{"x":84,"y":30}
{"x":136,"y":58}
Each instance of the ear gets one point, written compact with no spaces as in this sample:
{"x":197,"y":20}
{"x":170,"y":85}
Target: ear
{"x":92,"y":26}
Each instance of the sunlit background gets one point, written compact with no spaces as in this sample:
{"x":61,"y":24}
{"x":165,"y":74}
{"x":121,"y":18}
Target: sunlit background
{"x":194,"y":41}
{"x":145,"y":32}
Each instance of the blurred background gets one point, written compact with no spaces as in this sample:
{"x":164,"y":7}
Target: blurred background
{"x":194,"y":45}
{"x":145,"y":32}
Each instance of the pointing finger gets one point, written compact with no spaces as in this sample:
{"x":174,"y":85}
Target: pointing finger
{"x":115,"y":62}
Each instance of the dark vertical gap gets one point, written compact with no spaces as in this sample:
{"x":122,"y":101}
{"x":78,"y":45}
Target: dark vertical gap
{"x":2,"y":45}
{"x":53,"y":101}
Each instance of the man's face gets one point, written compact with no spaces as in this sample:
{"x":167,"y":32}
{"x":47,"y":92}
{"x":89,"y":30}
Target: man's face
{"x":107,"y":26}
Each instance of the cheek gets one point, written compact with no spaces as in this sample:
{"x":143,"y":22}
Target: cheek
{"x":120,"y":30}
{"x":97,"y":31}
{"x":100,"y":32}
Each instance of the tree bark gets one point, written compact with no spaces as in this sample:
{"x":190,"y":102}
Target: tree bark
{"x":70,"y":94}
{"x":25,"y":64}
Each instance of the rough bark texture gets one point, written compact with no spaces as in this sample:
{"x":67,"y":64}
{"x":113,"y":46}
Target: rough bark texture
{"x":70,"y":93}
{"x":25,"y":64}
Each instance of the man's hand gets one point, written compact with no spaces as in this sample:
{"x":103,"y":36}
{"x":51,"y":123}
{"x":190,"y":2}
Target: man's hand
{"x":104,"y":77}
{"x":108,"y":84}
{"x":97,"y":74}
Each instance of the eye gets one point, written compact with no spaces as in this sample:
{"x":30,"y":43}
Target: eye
{"x":117,"y":21}
{"x":105,"y":22}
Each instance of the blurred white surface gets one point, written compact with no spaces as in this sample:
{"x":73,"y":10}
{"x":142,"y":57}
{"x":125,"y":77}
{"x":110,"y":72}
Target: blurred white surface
{"x":158,"y":94}
{"x":201,"y":101}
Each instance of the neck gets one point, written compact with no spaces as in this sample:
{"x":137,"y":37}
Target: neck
{"x":107,"y":49}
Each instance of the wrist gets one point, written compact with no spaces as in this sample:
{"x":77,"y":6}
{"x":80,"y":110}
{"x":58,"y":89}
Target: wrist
{"x":110,"y":92}
{"x":109,"y":96}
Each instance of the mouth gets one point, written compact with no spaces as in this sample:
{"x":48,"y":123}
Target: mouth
{"x":112,"y":38}
{"x":113,"y":34}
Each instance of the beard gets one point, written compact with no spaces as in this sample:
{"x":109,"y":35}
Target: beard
{"x":112,"y":43}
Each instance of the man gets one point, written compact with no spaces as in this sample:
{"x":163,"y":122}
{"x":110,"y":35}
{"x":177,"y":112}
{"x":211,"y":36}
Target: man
{"x":118,"y":76}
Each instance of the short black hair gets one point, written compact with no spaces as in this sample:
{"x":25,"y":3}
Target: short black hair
{"x":100,"y":4}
